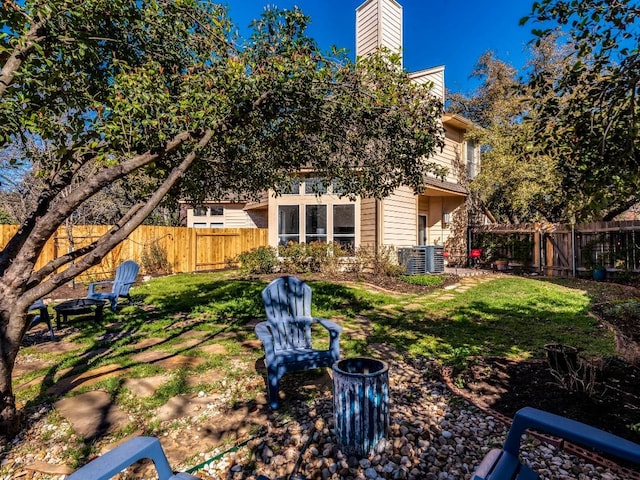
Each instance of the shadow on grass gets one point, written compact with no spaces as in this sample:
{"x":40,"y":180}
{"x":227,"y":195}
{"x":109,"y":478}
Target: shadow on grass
{"x":480,"y":328}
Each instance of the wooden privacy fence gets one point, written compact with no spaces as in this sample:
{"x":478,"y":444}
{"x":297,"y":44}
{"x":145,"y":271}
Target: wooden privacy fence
{"x":156,"y":249}
{"x":564,"y":250}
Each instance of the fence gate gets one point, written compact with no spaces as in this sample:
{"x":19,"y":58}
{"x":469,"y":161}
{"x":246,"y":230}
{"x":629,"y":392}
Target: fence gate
{"x":558,"y":253}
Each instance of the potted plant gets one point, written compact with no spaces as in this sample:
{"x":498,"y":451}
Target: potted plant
{"x":501,"y":264}
{"x":599,"y":271}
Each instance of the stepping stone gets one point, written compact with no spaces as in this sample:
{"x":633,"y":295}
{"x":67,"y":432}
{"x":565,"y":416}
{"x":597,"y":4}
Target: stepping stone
{"x":254,"y":344}
{"x":205,"y":378}
{"x":145,"y":387}
{"x":29,"y":364}
{"x":148,"y":343}
{"x":185,"y":405}
{"x":86,"y":379}
{"x":49,"y":468}
{"x":413,"y":307}
{"x":30,"y":383}
{"x":188,"y":344}
{"x":92,"y":413}
{"x":57,"y":347}
{"x":447,"y":297}
{"x":217,"y":349}
{"x":168,"y":360}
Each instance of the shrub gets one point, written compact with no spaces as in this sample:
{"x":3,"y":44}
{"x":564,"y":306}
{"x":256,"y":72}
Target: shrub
{"x":155,"y":260}
{"x":380,"y":261}
{"x":315,"y":257}
{"x":258,"y":260}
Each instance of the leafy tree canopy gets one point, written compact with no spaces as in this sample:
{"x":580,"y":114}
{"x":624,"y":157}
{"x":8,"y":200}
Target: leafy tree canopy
{"x":587,"y":116}
{"x":163,"y":97}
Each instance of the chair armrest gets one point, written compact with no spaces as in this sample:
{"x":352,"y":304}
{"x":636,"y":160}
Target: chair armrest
{"x":124,"y":455}
{"x":329,"y":325}
{"x":571,"y":430}
{"x":93,"y":285}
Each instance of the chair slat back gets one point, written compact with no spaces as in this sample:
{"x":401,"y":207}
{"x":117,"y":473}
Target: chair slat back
{"x":126,"y":274}
{"x":286,"y":299}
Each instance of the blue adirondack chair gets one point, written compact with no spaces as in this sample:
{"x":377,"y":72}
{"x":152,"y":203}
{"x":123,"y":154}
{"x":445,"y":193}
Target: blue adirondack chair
{"x":126,"y":274}
{"x":126,"y":454}
{"x":504,"y":464}
{"x":286,"y":335}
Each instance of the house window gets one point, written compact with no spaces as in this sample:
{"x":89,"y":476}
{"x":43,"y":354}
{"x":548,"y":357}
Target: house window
{"x":199,"y":211}
{"x":288,"y":224}
{"x":199,"y":225}
{"x":216,"y":210}
{"x":472,"y":161}
{"x":314,"y":186}
{"x":337,"y":188}
{"x":344,"y":226}
{"x":316,"y":223}
{"x":217,"y":225}
{"x":291,"y":188}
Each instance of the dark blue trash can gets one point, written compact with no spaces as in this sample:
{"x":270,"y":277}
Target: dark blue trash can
{"x":360,"y":403}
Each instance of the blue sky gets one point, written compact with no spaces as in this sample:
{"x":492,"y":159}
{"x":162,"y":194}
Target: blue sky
{"x":453,"y":33}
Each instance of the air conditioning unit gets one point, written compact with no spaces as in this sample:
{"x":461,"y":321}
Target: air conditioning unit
{"x":422,"y":259}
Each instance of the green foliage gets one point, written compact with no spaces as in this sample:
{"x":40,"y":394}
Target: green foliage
{"x":6,"y":218}
{"x":508,"y":246}
{"x":311,"y":257}
{"x":587,"y":114}
{"x":629,"y":310}
{"x":376,"y":261}
{"x":426,"y":280}
{"x":259,"y":260}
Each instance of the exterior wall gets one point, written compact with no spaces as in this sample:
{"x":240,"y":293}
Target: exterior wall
{"x":368,"y":221}
{"x":378,"y":23}
{"x":234,"y":216}
{"x":434,"y":75}
{"x":400,"y":217}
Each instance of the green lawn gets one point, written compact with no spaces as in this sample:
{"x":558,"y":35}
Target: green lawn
{"x":210,"y":317}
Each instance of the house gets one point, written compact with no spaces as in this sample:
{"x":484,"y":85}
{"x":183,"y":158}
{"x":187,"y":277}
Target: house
{"x":435,"y":216}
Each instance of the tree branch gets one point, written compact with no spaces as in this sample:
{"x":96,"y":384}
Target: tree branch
{"x":17,"y":57}
{"x":29,"y":245}
{"x":120,"y":231}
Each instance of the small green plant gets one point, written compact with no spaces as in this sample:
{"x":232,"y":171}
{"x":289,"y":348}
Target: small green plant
{"x":426,"y":280}
{"x":258,"y":261}
{"x":629,"y":309}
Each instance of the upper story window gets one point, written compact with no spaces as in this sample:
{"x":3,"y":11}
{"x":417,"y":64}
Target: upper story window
{"x":291,"y":188}
{"x":314,"y":186}
{"x":472,"y":160}
{"x":199,"y":211}
{"x":216,"y":210}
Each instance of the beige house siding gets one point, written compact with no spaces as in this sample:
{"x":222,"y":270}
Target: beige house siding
{"x":368,"y":221}
{"x":378,"y":23}
{"x":434,"y":75}
{"x":399,"y":213}
{"x":233,"y":216}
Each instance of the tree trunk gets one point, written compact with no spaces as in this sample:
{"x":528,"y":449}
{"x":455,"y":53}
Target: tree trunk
{"x":11,"y":334}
